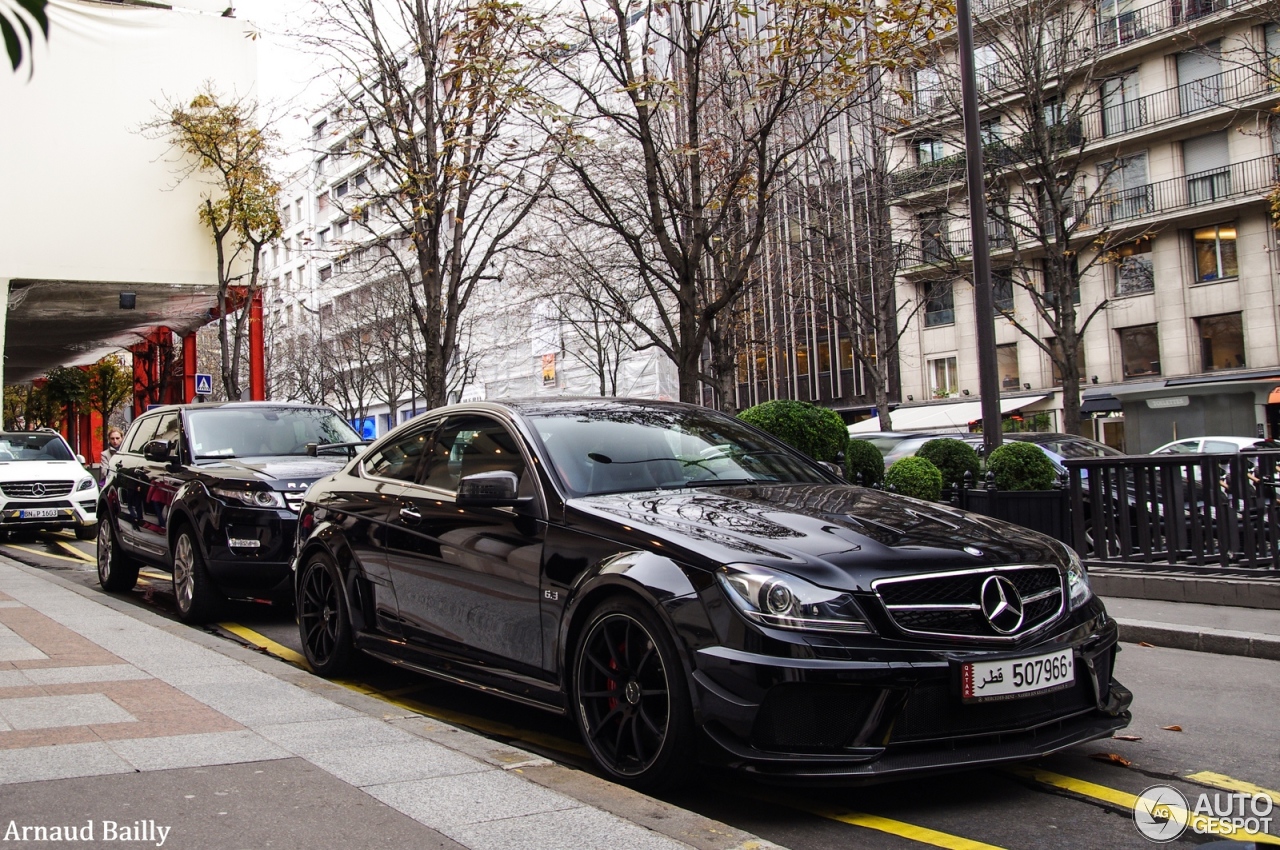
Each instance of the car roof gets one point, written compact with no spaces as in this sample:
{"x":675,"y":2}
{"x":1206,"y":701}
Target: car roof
{"x":216,"y":405}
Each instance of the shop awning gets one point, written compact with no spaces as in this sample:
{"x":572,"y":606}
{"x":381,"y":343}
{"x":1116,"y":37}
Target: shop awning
{"x":947,"y":416}
{"x":1100,"y":404}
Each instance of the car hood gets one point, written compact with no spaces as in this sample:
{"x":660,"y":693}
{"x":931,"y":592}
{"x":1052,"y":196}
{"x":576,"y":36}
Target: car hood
{"x":837,"y":536}
{"x":278,"y":472}
{"x":37,"y":470}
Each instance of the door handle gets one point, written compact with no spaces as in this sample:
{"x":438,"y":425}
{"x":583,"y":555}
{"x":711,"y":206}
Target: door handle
{"x":410,"y":515}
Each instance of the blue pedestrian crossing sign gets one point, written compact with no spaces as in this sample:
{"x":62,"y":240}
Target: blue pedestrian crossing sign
{"x":204,"y":383}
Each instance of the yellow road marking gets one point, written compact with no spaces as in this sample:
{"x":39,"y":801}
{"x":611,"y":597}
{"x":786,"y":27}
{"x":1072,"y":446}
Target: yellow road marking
{"x":1200,"y":823}
{"x":1218,"y":780}
{"x":67,"y":547}
{"x":455,"y":717}
{"x":45,"y":554}
{"x":910,"y":831}
{"x":264,"y":642}
{"x":155,"y":574}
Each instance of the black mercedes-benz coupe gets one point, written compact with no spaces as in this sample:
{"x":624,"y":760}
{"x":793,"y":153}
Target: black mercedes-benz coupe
{"x":687,"y":587}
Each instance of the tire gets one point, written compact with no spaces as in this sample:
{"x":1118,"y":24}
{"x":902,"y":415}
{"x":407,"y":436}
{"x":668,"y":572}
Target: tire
{"x":86,"y":532}
{"x":631,"y":697}
{"x":117,"y":572}
{"x":198,"y":601}
{"x":324,"y":624}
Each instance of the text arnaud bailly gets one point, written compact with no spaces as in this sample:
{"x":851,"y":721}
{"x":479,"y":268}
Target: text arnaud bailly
{"x":139,"y":831}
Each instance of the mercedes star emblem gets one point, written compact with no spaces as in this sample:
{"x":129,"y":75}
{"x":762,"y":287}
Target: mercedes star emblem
{"x":37,"y":489}
{"x":1002,"y":604}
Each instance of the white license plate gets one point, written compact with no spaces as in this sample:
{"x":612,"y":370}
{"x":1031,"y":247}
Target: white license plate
{"x":1017,"y":677}
{"x":38,"y":513}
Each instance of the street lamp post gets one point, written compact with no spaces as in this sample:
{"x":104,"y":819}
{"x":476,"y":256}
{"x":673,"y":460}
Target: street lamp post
{"x":983,"y":302}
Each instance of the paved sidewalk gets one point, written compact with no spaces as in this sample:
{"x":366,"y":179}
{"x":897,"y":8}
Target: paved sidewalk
{"x":128,"y":729}
{"x":1223,"y":629}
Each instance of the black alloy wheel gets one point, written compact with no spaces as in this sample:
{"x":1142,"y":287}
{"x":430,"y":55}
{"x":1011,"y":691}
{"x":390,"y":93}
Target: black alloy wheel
{"x":630,"y":695}
{"x":117,"y":572}
{"x":323,"y":623}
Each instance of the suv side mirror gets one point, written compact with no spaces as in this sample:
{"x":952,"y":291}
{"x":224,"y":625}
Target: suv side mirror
{"x":488,"y":490}
{"x":157,"y":451}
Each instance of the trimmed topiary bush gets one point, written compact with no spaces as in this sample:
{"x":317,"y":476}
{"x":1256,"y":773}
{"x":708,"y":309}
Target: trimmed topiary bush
{"x":914,"y":476}
{"x":861,"y":457}
{"x":1021,"y":466}
{"x":953,"y":458}
{"x":819,"y":432}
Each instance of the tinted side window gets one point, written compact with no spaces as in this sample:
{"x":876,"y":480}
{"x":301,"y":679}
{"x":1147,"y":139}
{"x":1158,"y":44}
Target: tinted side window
{"x":470,"y":444}
{"x":400,"y":459}
{"x":143,"y":432}
{"x":169,"y":429}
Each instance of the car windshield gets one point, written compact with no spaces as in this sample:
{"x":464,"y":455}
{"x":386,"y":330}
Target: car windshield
{"x":619,"y":450}
{"x":1070,"y":447}
{"x":223,"y":432}
{"x":33,"y":445}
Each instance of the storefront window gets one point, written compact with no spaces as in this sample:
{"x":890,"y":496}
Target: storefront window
{"x":942,"y":377}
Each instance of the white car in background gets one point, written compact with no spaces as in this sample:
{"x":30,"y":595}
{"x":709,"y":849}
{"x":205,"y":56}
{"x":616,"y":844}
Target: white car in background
{"x":44,"y":485}
{"x":1207,"y":445}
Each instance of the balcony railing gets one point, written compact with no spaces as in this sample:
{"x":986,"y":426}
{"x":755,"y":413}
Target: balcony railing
{"x":1240,"y":180}
{"x":1110,"y":32}
{"x":1101,"y":122}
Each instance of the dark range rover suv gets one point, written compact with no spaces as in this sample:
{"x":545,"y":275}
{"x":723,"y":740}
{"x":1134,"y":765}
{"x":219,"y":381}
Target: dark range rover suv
{"x":210,"y":492}
{"x":681,"y":583}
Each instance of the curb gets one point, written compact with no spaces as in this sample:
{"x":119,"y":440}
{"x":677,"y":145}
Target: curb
{"x":1237,"y":592}
{"x":1219,"y":641}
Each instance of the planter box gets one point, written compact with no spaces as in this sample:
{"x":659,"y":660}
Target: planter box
{"x":1046,"y":511}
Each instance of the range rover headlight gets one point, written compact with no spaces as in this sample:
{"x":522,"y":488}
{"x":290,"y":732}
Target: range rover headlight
{"x":774,"y":598}
{"x":252,"y":498}
{"x":84,"y":484}
{"x":1078,"y":590}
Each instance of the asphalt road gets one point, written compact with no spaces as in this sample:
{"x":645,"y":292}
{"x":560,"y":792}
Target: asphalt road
{"x":1204,"y":724}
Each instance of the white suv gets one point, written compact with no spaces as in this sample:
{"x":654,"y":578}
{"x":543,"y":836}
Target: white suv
{"x":44,"y":485}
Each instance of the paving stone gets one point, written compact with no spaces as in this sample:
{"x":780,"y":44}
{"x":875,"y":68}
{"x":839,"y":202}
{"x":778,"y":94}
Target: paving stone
{"x":59,"y":762}
{"x":450,"y":802}
{"x":54,"y":711}
{"x":200,"y":750}
{"x":390,"y":763}
{"x":313,"y":736}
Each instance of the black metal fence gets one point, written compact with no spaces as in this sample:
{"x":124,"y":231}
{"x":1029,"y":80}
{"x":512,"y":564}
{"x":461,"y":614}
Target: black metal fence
{"x":1202,"y":510}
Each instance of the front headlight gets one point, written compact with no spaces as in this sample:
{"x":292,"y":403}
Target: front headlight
{"x":85,"y":484}
{"x":777,"y":599}
{"x":252,"y":498}
{"x":1078,"y":591}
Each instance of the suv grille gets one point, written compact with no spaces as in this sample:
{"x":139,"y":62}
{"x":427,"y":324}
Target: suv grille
{"x":36,"y":489}
{"x":950,"y":604}
{"x":293,"y":501}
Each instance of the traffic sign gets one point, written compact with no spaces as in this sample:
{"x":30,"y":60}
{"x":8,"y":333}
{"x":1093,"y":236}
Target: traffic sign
{"x":204,"y":383}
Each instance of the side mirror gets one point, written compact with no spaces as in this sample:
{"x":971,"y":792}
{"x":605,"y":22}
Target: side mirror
{"x":488,"y":490}
{"x":833,"y":468}
{"x":80,"y":459}
{"x":157,"y":451}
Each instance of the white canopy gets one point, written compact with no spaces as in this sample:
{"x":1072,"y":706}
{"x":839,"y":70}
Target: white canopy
{"x":945,"y":416}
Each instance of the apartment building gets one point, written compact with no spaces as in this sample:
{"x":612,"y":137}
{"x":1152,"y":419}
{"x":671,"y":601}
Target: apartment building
{"x":1148,"y":130}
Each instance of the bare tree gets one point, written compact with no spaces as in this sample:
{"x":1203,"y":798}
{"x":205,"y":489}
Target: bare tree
{"x":684,"y":117}
{"x":432,"y":97}
{"x":1059,"y":204}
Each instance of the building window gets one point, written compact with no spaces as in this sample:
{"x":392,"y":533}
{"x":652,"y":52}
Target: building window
{"x":1134,"y":270}
{"x":846,"y":353}
{"x":288,"y":281}
{"x":1215,"y":250}
{"x":986,"y":66}
{"x":1002,"y":290}
{"x":928,"y":150}
{"x":942,"y":377}
{"x":1007,"y":366}
{"x":1221,"y":342}
{"x":326,"y":272}
{"x":341,"y":189}
{"x":1122,"y":109}
{"x":1057,"y":355}
{"x":933,"y":237}
{"x":1140,"y":351}
{"x":939,"y":305}
{"x":1126,"y":191}
{"x":928,"y":90}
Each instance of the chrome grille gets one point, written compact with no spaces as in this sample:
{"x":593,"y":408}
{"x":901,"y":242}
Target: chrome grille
{"x":949,"y":604}
{"x":293,"y":501}
{"x":36,"y":489}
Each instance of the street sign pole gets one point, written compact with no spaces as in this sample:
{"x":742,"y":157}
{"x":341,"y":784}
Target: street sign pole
{"x":983,"y":302}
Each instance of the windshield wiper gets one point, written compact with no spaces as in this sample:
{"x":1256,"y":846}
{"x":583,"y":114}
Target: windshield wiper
{"x":710,"y":482}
